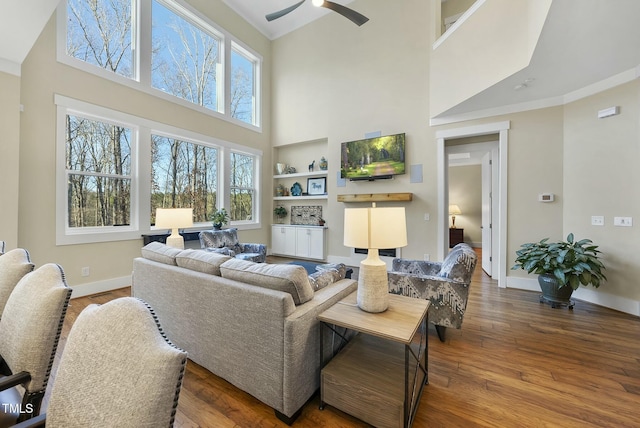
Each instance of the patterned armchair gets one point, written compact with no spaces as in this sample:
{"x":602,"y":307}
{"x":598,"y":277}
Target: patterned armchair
{"x":446,"y":284}
{"x":225,"y":241}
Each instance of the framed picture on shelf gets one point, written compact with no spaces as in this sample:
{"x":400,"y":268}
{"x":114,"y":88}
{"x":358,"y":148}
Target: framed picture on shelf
{"x":317,"y":186}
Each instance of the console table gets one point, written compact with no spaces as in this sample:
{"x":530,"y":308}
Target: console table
{"x":370,"y":377}
{"x":456,"y":236}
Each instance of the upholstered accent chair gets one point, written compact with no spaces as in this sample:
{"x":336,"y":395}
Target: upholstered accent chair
{"x":117,"y":369}
{"x":14,"y":265}
{"x":226,"y":242}
{"x":29,"y":333}
{"x":445,"y":284}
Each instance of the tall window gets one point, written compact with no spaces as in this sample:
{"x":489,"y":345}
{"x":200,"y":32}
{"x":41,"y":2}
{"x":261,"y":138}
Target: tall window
{"x":183,"y":174}
{"x":100,"y":33}
{"x":185,"y":59}
{"x":243,"y":86}
{"x":98,"y":169}
{"x":242,"y":187}
{"x":169,"y":50}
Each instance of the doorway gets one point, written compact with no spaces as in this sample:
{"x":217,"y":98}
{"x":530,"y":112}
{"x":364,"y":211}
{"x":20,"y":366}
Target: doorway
{"x":498,"y":204}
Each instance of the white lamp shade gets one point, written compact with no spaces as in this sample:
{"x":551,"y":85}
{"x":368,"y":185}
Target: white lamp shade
{"x":375,"y":227}
{"x":454,"y":210}
{"x":173,"y":218}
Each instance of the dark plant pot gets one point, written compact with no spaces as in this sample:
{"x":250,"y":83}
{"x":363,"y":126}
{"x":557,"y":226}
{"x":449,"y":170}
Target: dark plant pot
{"x":217,"y":226}
{"x":552,"y":292}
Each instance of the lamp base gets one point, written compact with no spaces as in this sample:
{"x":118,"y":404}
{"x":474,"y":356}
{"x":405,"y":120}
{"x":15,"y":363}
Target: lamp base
{"x":373,"y":287}
{"x":175,"y":240}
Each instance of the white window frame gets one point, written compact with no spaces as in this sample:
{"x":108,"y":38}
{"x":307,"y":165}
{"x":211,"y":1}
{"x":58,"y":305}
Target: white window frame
{"x":257,"y":70}
{"x":141,"y":130}
{"x":141,"y":31}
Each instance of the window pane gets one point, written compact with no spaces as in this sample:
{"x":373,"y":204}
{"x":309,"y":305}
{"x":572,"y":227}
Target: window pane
{"x":242,"y":87}
{"x":98,"y":201}
{"x":97,"y":147}
{"x":183,"y":175}
{"x":184,"y":59}
{"x":242,"y":187}
{"x":99,"y":32}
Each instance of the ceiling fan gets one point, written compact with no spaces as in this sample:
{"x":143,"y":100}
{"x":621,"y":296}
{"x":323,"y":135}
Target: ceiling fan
{"x":351,"y":14}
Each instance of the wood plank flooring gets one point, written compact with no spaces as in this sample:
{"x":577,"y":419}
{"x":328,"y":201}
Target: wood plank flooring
{"x":514,"y":363}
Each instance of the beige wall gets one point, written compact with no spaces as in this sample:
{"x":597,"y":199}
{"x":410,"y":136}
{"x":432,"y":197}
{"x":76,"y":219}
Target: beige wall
{"x":601,"y":178}
{"x":333,"y":80}
{"x":9,"y":155}
{"x":42,"y":77}
{"x":465,"y":190}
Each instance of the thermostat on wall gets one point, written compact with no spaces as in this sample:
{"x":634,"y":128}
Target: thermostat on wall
{"x":546,"y":197}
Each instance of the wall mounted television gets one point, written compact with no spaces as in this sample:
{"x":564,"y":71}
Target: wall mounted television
{"x":373,"y":158}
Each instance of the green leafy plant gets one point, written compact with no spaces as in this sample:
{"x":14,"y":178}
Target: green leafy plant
{"x":219,"y":218}
{"x":570,"y":262}
{"x":280,"y":211}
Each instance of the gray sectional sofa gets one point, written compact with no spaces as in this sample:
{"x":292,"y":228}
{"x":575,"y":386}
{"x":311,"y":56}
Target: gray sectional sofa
{"x":253,"y":324}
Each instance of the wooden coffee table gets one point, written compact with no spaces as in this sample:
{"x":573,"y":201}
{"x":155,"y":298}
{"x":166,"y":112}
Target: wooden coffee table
{"x":380,"y":374}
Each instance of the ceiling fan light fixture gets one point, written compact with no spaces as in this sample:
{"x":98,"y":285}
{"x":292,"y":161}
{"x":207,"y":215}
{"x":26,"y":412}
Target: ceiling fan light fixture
{"x":317,"y":3}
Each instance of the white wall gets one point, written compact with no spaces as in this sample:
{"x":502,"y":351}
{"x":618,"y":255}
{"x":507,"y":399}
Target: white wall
{"x":9,"y":157}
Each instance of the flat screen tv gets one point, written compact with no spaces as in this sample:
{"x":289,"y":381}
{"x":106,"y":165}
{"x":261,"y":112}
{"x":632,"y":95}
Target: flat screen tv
{"x":373,"y":158}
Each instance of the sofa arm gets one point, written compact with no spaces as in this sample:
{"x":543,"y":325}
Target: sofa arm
{"x":448,"y":297}
{"x":416,"y":267}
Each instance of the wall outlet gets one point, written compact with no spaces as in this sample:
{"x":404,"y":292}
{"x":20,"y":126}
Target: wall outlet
{"x":426,"y":217}
{"x":597,"y":220}
{"x":427,"y":257}
{"x":623,"y":221}
{"x":85,"y":271}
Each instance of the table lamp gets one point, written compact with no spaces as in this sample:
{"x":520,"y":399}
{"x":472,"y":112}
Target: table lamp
{"x":174,"y":218}
{"x":374,"y":228}
{"x":453,"y":211}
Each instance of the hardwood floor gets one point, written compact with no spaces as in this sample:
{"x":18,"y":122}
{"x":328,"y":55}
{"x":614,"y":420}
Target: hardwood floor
{"x":514,"y":363}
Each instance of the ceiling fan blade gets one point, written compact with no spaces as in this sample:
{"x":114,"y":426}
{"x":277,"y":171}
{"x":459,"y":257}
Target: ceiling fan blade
{"x":275,"y":15}
{"x":351,"y":14}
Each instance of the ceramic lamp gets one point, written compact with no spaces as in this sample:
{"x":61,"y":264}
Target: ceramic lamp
{"x":374,"y":228}
{"x":174,"y":218}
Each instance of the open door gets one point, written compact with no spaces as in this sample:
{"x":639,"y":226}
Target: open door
{"x":487,"y":249}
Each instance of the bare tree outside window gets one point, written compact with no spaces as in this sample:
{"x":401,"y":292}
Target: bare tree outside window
{"x":243,"y":71}
{"x":242,"y":190}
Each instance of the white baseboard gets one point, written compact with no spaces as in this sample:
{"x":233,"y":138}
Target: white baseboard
{"x":100,"y":286}
{"x":586,"y":294}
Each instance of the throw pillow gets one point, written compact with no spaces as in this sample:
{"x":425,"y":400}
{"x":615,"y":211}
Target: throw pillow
{"x":322,"y":278}
{"x":340,"y":267}
{"x":161,"y":253}
{"x":201,"y":261}
{"x":291,"y":279}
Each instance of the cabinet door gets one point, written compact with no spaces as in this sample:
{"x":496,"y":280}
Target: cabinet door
{"x":283,"y":240}
{"x":310,"y":243}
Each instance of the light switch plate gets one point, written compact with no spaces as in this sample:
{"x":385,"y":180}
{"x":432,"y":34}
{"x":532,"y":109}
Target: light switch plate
{"x":597,"y":220}
{"x":623,"y":221}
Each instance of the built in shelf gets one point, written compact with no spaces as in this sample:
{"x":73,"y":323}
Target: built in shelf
{"x":300,"y":198}
{"x":302,"y":174}
{"x":376,"y":197}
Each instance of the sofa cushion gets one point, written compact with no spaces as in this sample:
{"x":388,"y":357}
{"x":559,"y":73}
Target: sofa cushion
{"x":201,"y":261}
{"x":322,"y":278}
{"x":161,"y":253}
{"x":291,"y":279}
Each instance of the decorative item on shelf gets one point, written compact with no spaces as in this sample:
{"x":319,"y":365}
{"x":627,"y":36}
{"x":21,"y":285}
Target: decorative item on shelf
{"x":323,"y":164}
{"x":561,"y":267}
{"x":281,"y":168}
{"x":290,"y":170}
{"x":281,"y":213}
{"x":311,"y":165}
{"x":174,"y":218}
{"x":317,"y":186}
{"x":309,"y":215}
{"x":454,"y":210}
{"x":280,"y":190}
{"x":374,"y":228}
{"x":296,"y":189}
{"x":219,"y":218}
{"x":321,"y":221}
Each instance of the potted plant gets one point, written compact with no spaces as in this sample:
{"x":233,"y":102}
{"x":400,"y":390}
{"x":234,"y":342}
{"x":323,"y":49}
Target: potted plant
{"x":561,"y":267}
{"x":219,"y":218}
{"x":280,"y":212}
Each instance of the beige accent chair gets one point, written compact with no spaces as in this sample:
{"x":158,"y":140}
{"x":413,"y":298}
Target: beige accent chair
{"x":14,"y":265}
{"x":117,"y":369}
{"x":29,"y":333}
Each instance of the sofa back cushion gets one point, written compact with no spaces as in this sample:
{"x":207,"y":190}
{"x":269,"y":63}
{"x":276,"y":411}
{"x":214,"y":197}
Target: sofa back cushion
{"x":201,"y":261}
{"x":291,"y":279}
{"x":161,"y":253}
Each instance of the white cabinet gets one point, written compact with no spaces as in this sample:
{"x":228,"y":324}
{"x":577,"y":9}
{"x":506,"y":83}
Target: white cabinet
{"x":308,"y":242}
